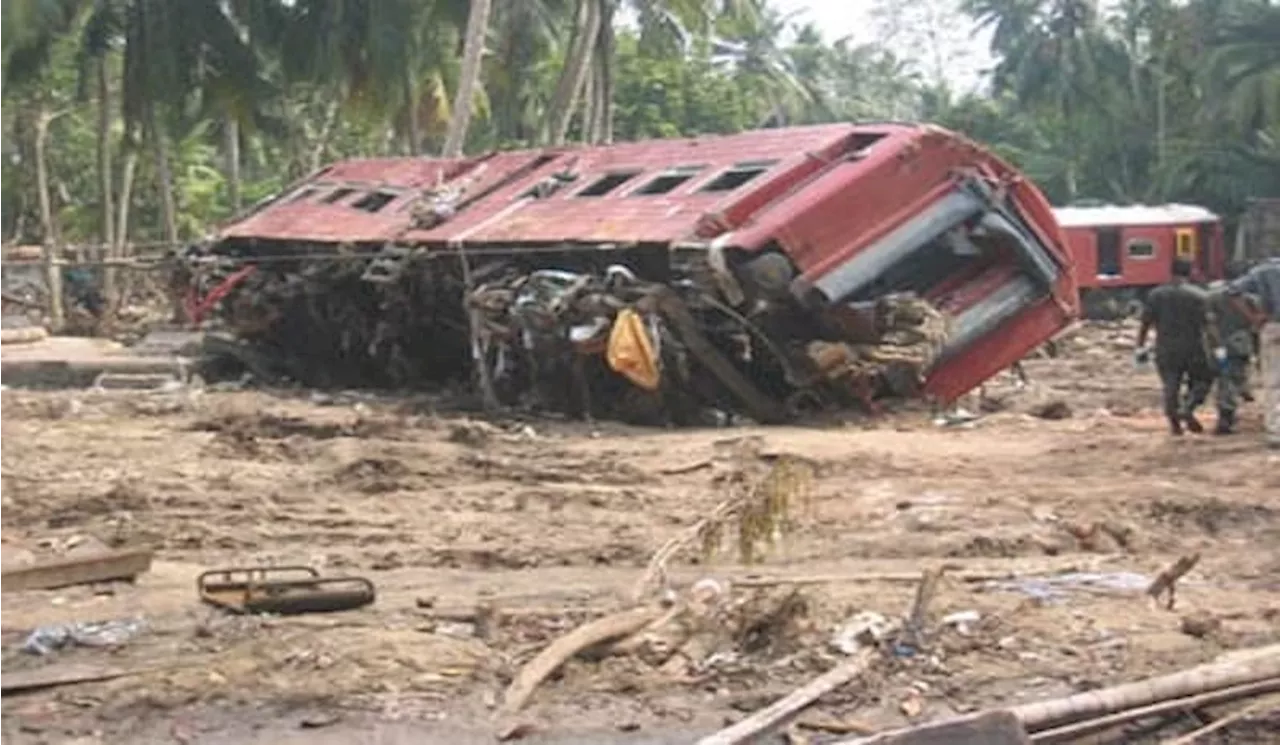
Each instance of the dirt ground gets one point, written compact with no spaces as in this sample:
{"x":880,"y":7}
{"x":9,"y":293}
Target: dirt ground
{"x":552,"y":523}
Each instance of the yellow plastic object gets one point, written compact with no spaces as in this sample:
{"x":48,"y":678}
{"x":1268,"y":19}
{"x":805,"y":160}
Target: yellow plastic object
{"x":631,"y":353}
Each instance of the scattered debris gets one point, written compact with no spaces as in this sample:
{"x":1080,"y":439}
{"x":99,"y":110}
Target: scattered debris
{"x":320,"y":719}
{"x":866,"y":629}
{"x":52,"y":676}
{"x":961,"y":621}
{"x":549,"y":660}
{"x":1052,"y":410}
{"x":912,"y":637}
{"x":46,"y":639}
{"x":1200,"y":625}
{"x":1055,"y":587}
{"x":285,"y":590}
{"x":788,"y":708}
{"x":472,"y":433}
{"x":1226,"y":720}
{"x":78,"y":570}
{"x":1235,"y":677}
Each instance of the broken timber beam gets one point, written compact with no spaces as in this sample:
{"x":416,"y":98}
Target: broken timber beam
{"x":77,"y":570}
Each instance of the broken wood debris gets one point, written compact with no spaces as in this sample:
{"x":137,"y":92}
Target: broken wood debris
{"x":77,"y":570}
{"x":562,"y":650}
{"x":781,"y":712}
{"x":1163,"y":585}
{"x":61,"y":674}
{"x":1235,"y":677}
{"x":1270,"y":703}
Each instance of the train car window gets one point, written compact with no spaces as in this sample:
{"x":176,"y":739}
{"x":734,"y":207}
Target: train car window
{"x":1141,"y":249}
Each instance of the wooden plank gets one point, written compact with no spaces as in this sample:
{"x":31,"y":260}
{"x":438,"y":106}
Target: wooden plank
{"x":992,"y":728}
{"x":77,"y":570}
{"x":49,"y":676}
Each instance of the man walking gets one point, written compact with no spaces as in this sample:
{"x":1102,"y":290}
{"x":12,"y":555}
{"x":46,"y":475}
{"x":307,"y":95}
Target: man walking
{"x":1263,"y":281}
{"x":1178,"y":312}
{"x":1235,"y":316}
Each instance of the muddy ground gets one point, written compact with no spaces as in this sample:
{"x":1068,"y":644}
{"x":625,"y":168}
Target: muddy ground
{"x":551,"y":523}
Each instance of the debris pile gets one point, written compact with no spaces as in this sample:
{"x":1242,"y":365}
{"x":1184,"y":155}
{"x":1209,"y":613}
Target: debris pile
{"x":590,"y":344}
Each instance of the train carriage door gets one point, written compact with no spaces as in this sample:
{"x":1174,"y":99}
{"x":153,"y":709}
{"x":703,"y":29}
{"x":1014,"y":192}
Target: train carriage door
{"x":1185,"y":248}
{"x":1108,"y":242}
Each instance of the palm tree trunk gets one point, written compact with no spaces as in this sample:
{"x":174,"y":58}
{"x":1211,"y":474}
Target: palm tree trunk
{"x":125,"y":202}
{"x":590,"y":98}
{"x":564,"y":100}
{"x":106,"y":186}
{"x":168,"y":206}
{"x":413,"y":132}
{"x":231,"y":131}
{"x":472,"y":58}
{"x":164,"y":177}
{"x":607,"y":52}
{"x":51,"y":244}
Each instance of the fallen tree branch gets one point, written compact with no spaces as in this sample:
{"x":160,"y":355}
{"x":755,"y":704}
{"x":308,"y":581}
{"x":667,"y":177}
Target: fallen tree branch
{"x":781,"y":712}
{"x":566,"y":647}
{"x":1164,"y":582}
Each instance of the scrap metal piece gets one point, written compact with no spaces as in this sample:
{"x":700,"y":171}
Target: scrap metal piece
{"x":77,"y":570}
{"x":285,"y":590}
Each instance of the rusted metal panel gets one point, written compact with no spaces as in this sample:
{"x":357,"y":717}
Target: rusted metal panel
{"x":77,"y":570}
{"x":501,"y":216}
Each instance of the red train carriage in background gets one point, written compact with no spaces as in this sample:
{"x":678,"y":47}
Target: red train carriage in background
{"x":1122,"y":252}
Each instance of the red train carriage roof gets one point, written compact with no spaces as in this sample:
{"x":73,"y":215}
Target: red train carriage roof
{"x":1134,"y":215}
{"x":656,"y":191}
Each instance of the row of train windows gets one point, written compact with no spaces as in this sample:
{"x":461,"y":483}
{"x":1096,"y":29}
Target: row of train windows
{"x":669,"y":181}
{"x":663,"y":183}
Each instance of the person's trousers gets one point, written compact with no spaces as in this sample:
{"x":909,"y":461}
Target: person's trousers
{"x":1233,"y":379}
{"x":1194,"y":371}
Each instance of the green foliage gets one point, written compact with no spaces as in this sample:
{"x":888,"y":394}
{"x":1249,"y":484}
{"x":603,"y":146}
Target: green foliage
{"x":1148,"y":100}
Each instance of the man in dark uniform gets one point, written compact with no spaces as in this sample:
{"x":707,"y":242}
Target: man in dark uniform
{"x":1263,"y":282}
{"x":1236,"y":316}
{"x":1179,"y":312}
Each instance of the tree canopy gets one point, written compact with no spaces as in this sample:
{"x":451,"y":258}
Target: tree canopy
{"x":139,"y":121}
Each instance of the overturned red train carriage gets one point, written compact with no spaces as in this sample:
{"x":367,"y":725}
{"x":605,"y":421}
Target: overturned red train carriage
{"x":1121,"y":252}
{"x":772,"y":239}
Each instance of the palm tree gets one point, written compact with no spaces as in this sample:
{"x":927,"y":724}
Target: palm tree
{"x":1245,"y":65}
{"x":469,"y":78}
{"x":32,"y":29}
